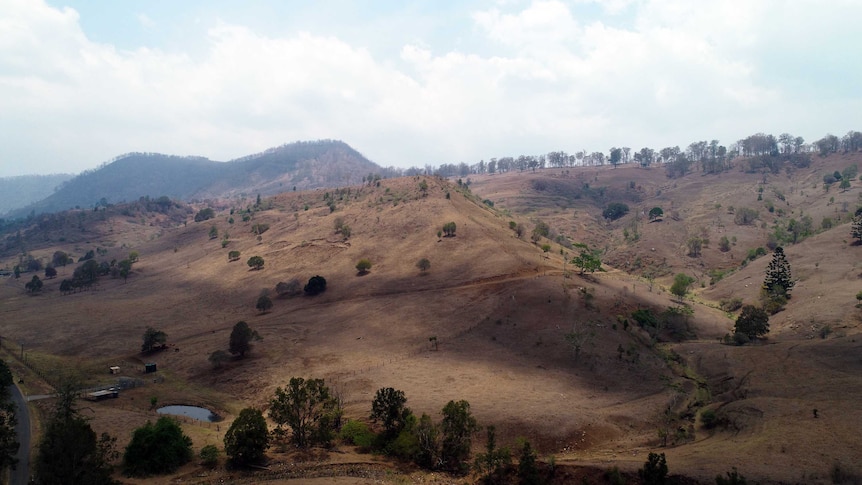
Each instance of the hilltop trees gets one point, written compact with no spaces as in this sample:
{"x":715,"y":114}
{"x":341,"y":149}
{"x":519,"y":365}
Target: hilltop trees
{"x":247,"y":439}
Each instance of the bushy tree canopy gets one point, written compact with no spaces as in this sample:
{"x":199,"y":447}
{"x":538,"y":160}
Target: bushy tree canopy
{"x":248,"y":438}
{"x":752,"y":322}
{"x":615,"y":210}
{"x":778,"y":282}
{"x":308,"y":408}
{"x":152,"y":339}
{"x":316,"y":285}
{"x":157,"y":448}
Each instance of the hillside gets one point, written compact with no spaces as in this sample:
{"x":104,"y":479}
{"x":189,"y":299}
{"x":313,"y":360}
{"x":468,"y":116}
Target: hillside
{"x":500,"y":309}
{"x":300,"y":166}
{"x":16,"y":192}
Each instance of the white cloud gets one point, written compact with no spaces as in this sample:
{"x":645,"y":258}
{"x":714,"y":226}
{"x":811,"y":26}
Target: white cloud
{"x":548,"y":77}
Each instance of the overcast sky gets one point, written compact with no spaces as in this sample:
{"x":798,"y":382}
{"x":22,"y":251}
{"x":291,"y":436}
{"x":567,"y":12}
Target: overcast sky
{"x":409,"y":83}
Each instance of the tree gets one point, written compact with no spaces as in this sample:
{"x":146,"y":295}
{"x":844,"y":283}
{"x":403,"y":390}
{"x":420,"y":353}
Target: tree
{"x":388,"y":408}
{"x":247,"y":438}
{"x":315,"y":285}
{"x":308,"y":408}
{"x":60,"y":259}
{"x":255,"y":262}
{"x":844,"y":185}
{"x":588,"y":259}
{"x":491,"y":466}
{"x":152,"y":339}
{"x":778,"y":282}
{"x":856,"y":228}
{"x":264,"y":304}
{"x":694,"y":244}
{"x":616,"y":156}
{"x":69,"y":452}
{"x":204,"y":214}
{"x":423,"y":264}
{"x":541,"y":230}
{"x":50,"y":272}
{"x":8,"y":420}
{"x":681,"y":284}
{"x":240,"y":339}
{"x":363,"y":266}
{"x":427,"y":435}
{"x":213,"y":232}
{"x":34,"y":285}
{"x":209,"y":456}
{"x":733,"y":478}
{"x":233,"y":255}
{"x":654,"y":471}
{"x":752,"y":322}
{"x":615,"y":210}
{"x":288,"y":288}
{"x":656,"y":213}
{"x":218,"y":358}
{"x":158,"y":448}
{"x":449,"y":229}
{"x":457,"y":428}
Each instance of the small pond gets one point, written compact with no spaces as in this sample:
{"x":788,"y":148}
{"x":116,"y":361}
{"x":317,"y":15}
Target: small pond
{"x":194,"y":412}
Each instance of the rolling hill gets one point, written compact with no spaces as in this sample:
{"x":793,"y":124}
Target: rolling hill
{"x":295,"y":166}
{"x":504,"y":311}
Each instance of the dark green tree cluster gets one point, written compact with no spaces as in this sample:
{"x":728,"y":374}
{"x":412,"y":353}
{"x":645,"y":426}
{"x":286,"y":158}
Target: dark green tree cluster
{"x":615,"y":210}
{"x":247,"y":439}
{"x":587,"y":259}
{"x":315,"y":286}
{"x":157,"y":449}
{"x":204,"y":215}
{"x":255,"y":262}
{"x":34,"y":285}
{"x":753,"y":322}
{"x":240,"y":339}
{"x":69,"y":452}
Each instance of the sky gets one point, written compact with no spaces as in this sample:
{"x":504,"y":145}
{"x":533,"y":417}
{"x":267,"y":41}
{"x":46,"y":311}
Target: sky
{"x":409,"y":83}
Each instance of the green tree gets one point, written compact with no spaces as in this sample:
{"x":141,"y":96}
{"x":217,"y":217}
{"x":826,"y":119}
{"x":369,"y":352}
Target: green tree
{"x":363,"y":266}
{"x":654,"y":471}
{"x":528,"y":472}
{"x":615,"y":210}
{"x":233,"y":255}
{"x":153,"y":338}
{"x":209,"y":456}
{"x":69,"y":452}
{"x":844,"y":185}
{"x":315,"y":285}
{"x":457,"y":429}
{"x":427,"y":434}
{"x":694,"y":244}
{"x":492,"y":465}
{"x":681,"y":283}
{"x":449,"y":229}
{"x":8,"y":436}
{"x":264,"y":304}
{"x":204,"y":214}
{"x":656,"y":213}
{"x":308,"y":408}
{"x":50,"y":272}
{"x":60,"y":259}
{"x":724,"y":244}
{"x":752,"y":322}
{"x":246,"y":441}
{"x":134,"y":256}
{"x":778,"y":282}
{"x":255,"y":262}
{"x":213,"y":232}
{"x":423,"y":264}
{"x":218,"y":358}
{"x":156,"y":449}
{"x":587,"y":259}
{"x":34,"y":285}
{"x":240,"y":339}
{"x":388,"y":408}
{"x":541,"y":230}
{"x":423,"y":187}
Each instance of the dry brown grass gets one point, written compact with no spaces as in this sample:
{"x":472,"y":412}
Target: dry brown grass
{"x":500,"y":309}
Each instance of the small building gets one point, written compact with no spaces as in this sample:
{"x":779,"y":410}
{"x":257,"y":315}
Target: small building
{"x":150,"y":367}
{"x":114,"y":369}
{"x":104,"y":394}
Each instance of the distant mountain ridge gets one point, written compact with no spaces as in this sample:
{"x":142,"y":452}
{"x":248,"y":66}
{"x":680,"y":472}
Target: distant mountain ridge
{"x":21,"y":190}
{"x":303,"y":165}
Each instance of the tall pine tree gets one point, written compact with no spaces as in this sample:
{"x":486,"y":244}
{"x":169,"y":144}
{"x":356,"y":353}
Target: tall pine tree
{"x":778,"y":282}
